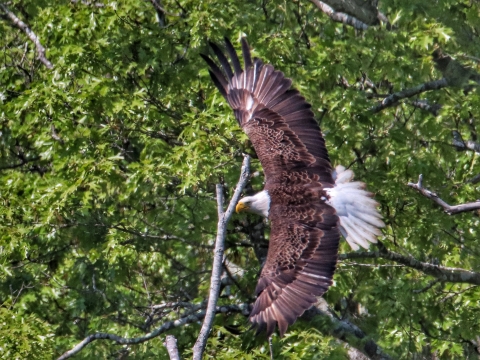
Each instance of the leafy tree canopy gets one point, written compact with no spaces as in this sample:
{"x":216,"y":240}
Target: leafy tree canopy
{"x":109,"y":158}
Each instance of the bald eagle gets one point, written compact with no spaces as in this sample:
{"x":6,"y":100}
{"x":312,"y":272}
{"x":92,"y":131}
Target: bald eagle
{"x":307,"y":203}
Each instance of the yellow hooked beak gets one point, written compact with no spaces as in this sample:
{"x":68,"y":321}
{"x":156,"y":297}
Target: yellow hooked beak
{"x":241,"y":207}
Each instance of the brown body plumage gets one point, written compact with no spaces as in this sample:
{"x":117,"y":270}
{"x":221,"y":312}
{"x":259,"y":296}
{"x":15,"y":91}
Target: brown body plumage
{"x":305,"y":228}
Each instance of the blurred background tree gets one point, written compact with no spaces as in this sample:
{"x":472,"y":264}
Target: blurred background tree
{"x":112,"y":138}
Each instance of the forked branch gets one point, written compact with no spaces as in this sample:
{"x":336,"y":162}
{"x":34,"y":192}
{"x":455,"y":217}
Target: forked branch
{"x":449,"y":209}
{"x":212,"y":308}
{"x":188,"y":319}
{"x":215,"y":282}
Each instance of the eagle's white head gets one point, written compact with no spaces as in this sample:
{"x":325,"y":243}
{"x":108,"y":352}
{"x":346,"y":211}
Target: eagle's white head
{"x":258,"y":204}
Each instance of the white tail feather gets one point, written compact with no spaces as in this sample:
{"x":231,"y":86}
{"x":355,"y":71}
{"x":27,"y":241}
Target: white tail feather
{"x":353,"y":234}
{"x":360,"y":221}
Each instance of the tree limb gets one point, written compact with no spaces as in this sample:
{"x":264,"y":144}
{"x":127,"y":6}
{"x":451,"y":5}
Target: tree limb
{"x":179,"y":304}
{"x":346,"y":331}
{"x":340,"y":329}
{"x":424,"y":105}
{"x":340,"y":16}
{"x":215,"y":282}
{"x":449,"y":209}
{"x":462,"y":145}
{"x":88,"y":3}
{"x":443,"y":273}
{"x":31,"y":35}
{"x":162,"y":13}
{"x":172,"y":349}
{"x":395,"y":97}
{"x":191,"y":318}
{"x":20,"y":164}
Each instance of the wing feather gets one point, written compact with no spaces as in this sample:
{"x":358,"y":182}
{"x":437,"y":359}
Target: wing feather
{"x":277,"y":87}
{"x":269,"y":81}
{"x":290,"y":95}
{"x":292,"y":105}
{"x":216,"y":75}
{"x":233,"y":55}
{"x":247,"y":57}
{"x":223,"y":60}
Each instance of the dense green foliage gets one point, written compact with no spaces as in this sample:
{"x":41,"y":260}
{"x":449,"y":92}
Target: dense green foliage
{"x":108,"y":164}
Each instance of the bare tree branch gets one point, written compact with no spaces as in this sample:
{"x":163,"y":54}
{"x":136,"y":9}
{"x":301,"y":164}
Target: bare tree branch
{"x":31,"y":35}
{"x":449,"y":209}
{"x":424,"y":105}
{"x":88,"y":3}
{"x":172,"y":349}
{"x":179,"y":304}
{"x":462,"y":145}
{"x":395,"y":97}
{"x":346,"y":331}
{"x":160,"y":13}
{"x":158,"y":7}
{"x":364,"y":11}
{"x":340,"y":16}
{"x":191,"y":318}
{"x":215,"y":282}
{"x":443,"y":273}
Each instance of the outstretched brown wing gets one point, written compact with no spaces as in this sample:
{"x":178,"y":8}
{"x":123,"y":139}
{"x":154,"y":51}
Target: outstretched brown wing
{"x":304,"y":235}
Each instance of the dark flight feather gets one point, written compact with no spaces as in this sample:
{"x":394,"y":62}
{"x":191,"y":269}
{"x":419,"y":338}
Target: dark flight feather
{"x":304,"y":235}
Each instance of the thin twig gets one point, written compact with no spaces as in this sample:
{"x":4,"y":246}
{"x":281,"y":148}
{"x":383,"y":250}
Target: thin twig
{"x":31,"y":35}
{"x":23,"y":162}
{"x":166,"y":237}
{"x":442,"y":273}
{"x":215,"y":282}
{"x":426,"y":288}
{"x":270,"y":345}
{"x":449,"y":209}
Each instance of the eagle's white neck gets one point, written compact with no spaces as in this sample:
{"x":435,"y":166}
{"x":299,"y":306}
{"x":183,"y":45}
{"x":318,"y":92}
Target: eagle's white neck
{"x":258,"y":203}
